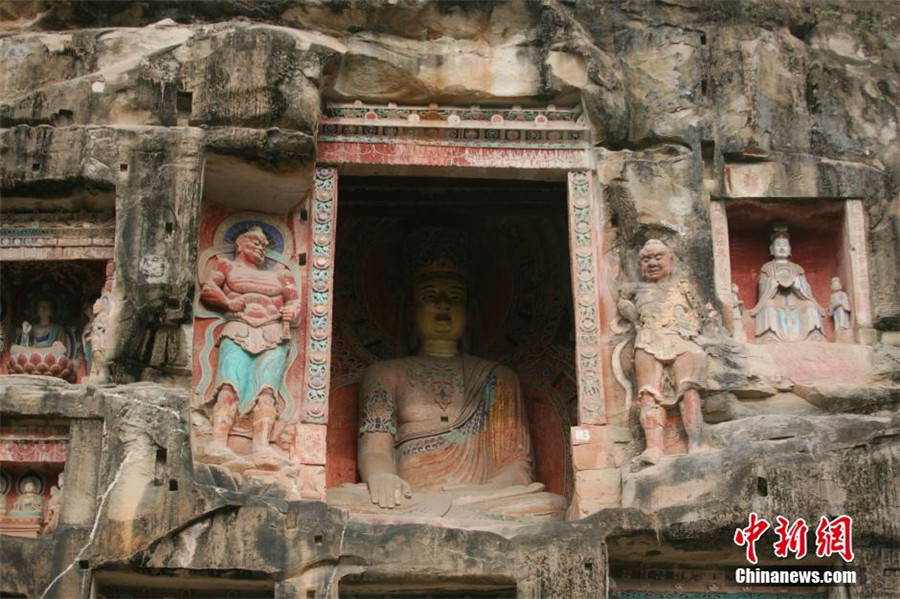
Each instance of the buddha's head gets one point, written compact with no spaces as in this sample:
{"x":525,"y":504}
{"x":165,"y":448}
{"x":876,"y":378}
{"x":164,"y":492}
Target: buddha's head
{"x":439,"y":294}
{"x":780,"y":249}
{"x":439,"y":307}
{"x":656,"y":260}
{"x":251,"y":244}
{"x":836,"y":284}
{"x":44,"y":311}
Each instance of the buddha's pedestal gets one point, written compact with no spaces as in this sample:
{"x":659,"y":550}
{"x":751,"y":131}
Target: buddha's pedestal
{"x":28,"y":528}
{"x":45,"y":361}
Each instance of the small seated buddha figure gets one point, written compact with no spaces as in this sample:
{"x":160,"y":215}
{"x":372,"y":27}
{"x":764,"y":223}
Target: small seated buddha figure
{"x":44,"y":347}
{"x":443,"y":434}
{"x":28,"y":504}
{"x":45,"y":332}
{"x":787,"y":310}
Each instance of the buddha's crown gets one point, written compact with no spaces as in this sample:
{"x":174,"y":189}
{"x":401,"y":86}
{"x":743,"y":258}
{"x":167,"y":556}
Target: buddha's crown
{"x":436,"y":251}
{"x":780,"y":231}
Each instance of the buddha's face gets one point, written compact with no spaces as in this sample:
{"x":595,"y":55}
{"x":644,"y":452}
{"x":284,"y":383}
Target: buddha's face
{"x":44,"y":311}
{"x":252,"y":246}
{"x":656,"y":262}
{"x":439,"y":303}
{"x":835,"y":284}
{"x":781,"y":249}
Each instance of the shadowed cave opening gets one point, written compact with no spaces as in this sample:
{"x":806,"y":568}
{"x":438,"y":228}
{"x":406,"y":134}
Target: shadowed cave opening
{"x":520,"y":284}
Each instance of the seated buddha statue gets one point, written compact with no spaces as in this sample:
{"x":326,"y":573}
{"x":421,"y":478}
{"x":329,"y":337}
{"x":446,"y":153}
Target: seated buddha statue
{"x":443,"y":434}
{"x":787,"y":310}
{"x":28,"y":504}
{"x":45,"y":332}
{"x":44,"y":347}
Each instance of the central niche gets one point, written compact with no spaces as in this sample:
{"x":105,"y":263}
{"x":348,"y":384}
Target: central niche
{"x":520,"y":285}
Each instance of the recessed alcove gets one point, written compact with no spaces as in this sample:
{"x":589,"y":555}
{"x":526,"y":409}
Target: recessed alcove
{"x":817,"y":241}
{"x":640,"y":565}
{"x":119,"y":584}
{"x":521,"y":285}
{"x":52,"y":222}
{"x":53,"y":198}
{"x":469,"y":588}
{"x":241,"y":194}
{"x":55,"y":241}
{"x":66,"y":291}
{"x":244,"y":185}
{"x":33,"y":452}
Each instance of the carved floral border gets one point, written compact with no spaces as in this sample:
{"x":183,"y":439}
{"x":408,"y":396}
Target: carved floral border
{"x":321,"y":281}
{"x":582,"y":234}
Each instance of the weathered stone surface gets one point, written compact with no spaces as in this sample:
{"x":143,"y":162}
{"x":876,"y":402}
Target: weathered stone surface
{"x":656,"y":193}
{"x":167,"y":75}
{"x":167,"y":104}
{"x":664,"y":79}
{"x":759,"y":91}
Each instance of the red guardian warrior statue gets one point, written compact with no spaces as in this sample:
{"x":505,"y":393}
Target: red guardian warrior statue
{"x":260,"y":304}
{"x":668,"y":318}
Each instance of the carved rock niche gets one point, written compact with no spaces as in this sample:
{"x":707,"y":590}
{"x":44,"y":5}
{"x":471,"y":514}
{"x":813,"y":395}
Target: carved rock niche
{"x":820,"y":236}
{"x":826,"y":240}
{"x":129,"y":585}
{"x":33,"y":454}
{"x":519,"y":285}
{"x":249,"y":364}
{"x":57,"y":271}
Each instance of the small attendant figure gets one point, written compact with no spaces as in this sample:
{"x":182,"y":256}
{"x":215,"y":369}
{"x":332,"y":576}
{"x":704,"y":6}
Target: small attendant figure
{"x":839,"y":308}
{"x":737,"y":315}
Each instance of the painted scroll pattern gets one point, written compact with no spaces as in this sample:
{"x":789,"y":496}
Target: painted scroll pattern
{"x":322,"y":211}
{"x":584,"y":286}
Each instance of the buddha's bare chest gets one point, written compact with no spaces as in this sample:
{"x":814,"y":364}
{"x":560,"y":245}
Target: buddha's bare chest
{"x":431,"y":390}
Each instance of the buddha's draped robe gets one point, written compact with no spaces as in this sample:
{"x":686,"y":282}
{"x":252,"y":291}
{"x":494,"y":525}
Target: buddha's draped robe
{"x":489,"y":433}
{"x":787,"y":310}
{"x":486,"y":435}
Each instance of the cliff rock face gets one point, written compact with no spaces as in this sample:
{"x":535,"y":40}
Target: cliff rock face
{"x":763,"y":109}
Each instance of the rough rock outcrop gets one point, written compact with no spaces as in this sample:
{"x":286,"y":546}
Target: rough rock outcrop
{"x":164,"y":103}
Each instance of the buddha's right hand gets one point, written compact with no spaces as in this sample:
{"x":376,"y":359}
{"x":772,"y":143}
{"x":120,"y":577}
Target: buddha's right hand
{"x":387,"y":490}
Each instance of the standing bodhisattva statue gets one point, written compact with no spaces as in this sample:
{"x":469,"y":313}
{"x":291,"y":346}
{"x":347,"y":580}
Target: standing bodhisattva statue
{"x":787,"y":310}
{"x":839,"y":307}
{"x":260,"y":305}
{"x":668,"y":318}
{"x":443,"y":433}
